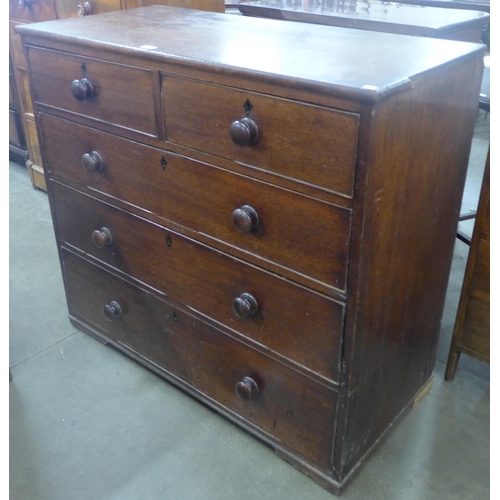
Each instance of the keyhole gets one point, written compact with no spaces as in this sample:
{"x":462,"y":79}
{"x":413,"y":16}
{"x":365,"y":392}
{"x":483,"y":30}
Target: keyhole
{"x":247,"y":107}
{"x":163,"y":163}
{"x":169,"y":240}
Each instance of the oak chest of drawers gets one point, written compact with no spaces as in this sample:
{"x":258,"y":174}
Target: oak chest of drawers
{"x":266,"y":220}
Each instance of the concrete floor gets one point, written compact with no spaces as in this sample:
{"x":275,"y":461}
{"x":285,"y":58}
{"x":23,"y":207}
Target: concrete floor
{"x":87,"y":423}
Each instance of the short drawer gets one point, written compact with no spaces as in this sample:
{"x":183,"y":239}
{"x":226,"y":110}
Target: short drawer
{"x":296,"y":232}
{"x":290,"y":320}
{"x":306,"y":143}
{"x":32,"y":10}
{"x":117,"y":94}
{"x":81,"y":8}
{"x":287,"y":406}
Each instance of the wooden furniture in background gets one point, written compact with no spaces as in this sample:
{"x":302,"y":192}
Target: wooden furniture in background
{"x":248,"y":224}
{"x":17,"y":144}
{"x":471,"y":334}
{"x":20,"y":12}
{"x":463,"y":25}
{"x":482,"y":5}
{"x":29,"y":11}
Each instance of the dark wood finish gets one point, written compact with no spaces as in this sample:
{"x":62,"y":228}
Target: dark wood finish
{"x":192,"y":351}
{"x":114,"y":87}
{"x":462,"y":25}
{"x":205,"y":280}
{"x":286,"y":132}
{"x":399,"y":316}
{"x":131,"y":169}
{"x":283,"y":282}
{"x":471,"y":334}
{"x":28,"y":11}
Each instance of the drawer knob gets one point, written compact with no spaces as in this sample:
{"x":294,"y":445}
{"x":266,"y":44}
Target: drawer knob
{"x":92,"y":162}
{"x":244,"y":132}
{"x":83,"y":9}
{"x":102,"y":237}
{"x":24,"y":3}
{"x":245,"y":305}
{"x":82,"y":89}
{"x":245,"y":219}
{"x":112,"y":310}
{"x":247,"y":388}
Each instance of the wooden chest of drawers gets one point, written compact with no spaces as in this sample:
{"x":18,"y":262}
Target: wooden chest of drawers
{"x":266,"y":220}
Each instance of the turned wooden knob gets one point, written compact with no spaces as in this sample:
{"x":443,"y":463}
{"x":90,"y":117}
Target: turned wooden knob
{"x":25,"y":3}
{"x":245,"y":305}
{"x":247,"y":388}
{"x":244,"y":132}
{"x":83,"y":9}
{"x":102,"y":237}
{"x":245,"y":219}
{"x":92,"y":162}
{"x":82,"y":89}
{"x":112,"y":310}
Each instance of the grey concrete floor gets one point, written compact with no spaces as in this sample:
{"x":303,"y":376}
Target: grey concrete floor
{"x":88,"y":423}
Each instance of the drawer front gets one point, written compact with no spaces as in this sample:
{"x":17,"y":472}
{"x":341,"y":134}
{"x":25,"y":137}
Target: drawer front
{"x":288,"y":406}
{"x":291,"y":320}
{"x":121,"y":95}
{"x":81,"y":8}
{"x":307,"y":143}
{"x":293,"y":231}
{"x":32,"y":10}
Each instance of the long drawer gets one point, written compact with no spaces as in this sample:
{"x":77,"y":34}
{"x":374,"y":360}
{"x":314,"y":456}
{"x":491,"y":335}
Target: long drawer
{"x":309,"y":144}
{"x":296,"y":232}
{"x":288,"y":319}
{"x":287,"y":406}
{"x":114,"y":93}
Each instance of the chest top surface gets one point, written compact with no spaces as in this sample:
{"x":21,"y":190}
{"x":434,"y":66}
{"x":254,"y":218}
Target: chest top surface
{"x":349,"y":63}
